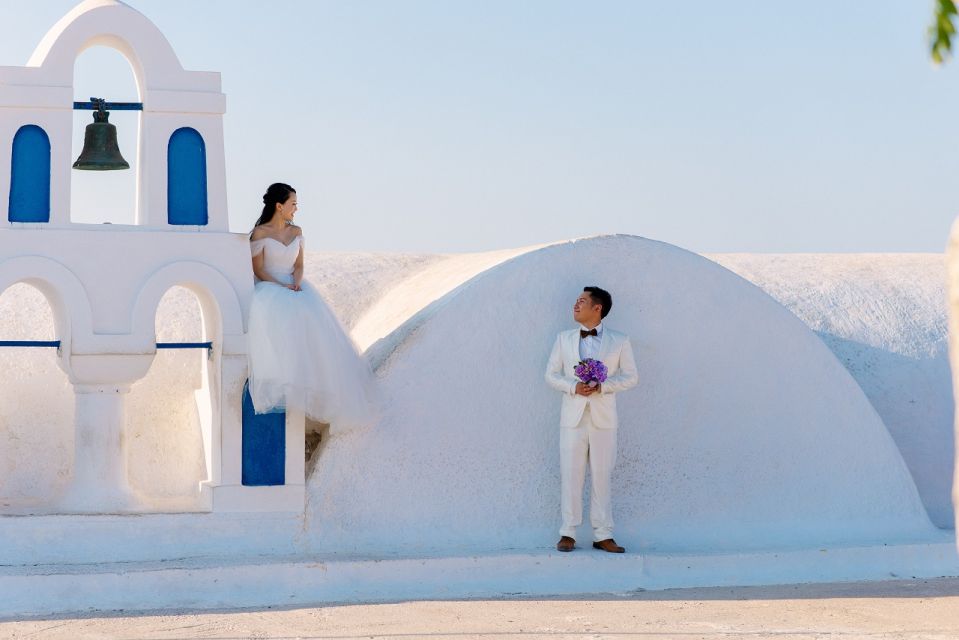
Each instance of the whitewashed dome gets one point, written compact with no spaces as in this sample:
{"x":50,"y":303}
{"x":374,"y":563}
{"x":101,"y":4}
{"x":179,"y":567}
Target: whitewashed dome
{"x":744,"y":432}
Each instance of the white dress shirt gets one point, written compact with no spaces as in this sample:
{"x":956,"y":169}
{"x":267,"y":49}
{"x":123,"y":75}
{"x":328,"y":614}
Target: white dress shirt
{"x":589,"y":346}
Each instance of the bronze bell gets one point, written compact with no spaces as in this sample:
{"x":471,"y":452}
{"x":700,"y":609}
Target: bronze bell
{"x":100,"y":149}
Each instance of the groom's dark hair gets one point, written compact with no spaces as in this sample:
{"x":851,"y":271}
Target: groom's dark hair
{"x":600,"y":296}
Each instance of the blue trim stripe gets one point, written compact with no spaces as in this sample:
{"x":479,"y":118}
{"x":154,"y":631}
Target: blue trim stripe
{"x":56,"y":343}
{"x":30,"y":343}
{"x":184,"y":345}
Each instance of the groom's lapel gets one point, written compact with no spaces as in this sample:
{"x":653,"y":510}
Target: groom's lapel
{"x":604,"y":344}
{"x":573,"y":345}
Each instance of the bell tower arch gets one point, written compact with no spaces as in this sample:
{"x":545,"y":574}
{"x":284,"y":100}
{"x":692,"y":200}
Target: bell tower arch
{"x":41,"y":94}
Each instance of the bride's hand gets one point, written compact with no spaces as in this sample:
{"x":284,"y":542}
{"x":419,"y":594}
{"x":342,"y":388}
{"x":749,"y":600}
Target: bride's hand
{"x":294,"y":287}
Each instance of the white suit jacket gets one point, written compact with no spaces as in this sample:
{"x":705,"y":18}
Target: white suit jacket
{"x":616,"y":353}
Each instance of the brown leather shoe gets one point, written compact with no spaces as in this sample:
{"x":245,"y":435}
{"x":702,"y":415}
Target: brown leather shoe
{"x":565,"y":544}
{"x":609,"y":545}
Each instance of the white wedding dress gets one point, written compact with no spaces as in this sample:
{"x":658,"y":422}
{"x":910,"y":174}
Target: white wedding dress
{"x":299,"y":355}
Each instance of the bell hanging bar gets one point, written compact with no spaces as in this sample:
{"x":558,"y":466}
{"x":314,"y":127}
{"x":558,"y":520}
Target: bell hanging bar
{"x":110,"y":106}
{"x":100,"y":149}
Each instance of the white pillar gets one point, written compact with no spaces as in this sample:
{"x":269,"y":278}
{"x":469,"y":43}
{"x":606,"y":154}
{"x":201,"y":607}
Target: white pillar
{"x":100,"y":483}
{"x":101,"y":383}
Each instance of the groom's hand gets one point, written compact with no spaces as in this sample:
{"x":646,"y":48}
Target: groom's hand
{"x":583,"y":389}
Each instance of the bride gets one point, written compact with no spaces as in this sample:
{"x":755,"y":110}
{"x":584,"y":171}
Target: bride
{"x":299,"y":355}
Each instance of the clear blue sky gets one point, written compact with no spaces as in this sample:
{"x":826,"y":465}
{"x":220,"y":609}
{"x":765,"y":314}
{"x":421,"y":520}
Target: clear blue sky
{"x":446,"y":125}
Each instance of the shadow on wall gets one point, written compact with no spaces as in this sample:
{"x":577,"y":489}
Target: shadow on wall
{"x":913,"y":396}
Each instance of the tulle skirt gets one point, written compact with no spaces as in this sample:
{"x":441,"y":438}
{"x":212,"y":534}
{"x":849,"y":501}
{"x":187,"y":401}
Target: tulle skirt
{"x":301,"y":358}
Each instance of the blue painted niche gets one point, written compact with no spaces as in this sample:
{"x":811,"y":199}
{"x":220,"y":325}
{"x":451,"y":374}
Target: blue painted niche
{"x":186,"y":178}
{"x":30,"y":176}
{"x":264,"y":445}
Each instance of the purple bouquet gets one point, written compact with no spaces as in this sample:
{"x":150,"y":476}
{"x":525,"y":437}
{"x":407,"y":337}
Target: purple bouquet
{"x":591,"y":372}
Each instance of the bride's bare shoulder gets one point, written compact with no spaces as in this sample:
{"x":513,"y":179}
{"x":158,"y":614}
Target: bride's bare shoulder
{"x":296,"y":230}
{"x":259,"y":233}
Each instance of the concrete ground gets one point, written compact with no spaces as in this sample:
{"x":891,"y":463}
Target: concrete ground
{"x":893,"y":609}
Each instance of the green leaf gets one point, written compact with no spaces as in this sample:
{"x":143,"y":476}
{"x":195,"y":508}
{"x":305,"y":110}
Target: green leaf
{"x":942,"y":30}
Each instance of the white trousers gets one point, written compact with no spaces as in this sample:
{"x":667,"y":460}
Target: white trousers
{"x":577,"y":446}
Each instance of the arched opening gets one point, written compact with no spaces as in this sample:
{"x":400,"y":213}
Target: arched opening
{"x":167,"y":408}
{"x":30,"y":176}
{"x":186,"y":178}
{"x":105,"y":196}
{"x":36,"y":407}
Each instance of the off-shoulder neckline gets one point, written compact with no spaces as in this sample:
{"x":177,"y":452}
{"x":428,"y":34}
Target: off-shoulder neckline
{"x":295,"y":238}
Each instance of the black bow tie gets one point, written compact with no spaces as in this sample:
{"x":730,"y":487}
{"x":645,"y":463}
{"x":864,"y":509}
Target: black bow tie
{"x":583,"y":333}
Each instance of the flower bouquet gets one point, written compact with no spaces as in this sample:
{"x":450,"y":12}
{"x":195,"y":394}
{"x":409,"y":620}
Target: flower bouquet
{"x":591,"y":372}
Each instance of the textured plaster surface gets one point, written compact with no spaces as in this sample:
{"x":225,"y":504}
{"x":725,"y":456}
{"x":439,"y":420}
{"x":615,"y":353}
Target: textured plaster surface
{"x":884,"y":316}
{"x":36,"y":411}
{"x":354,"y":282}
{"x":744,"y":430}
{"x":165,"y":441}
{"x":165,"y":449}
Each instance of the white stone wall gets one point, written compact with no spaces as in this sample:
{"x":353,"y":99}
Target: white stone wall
{"x":354,"y":284}
{"x":36,"y":409}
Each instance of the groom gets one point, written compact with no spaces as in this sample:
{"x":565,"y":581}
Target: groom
{"x":588,"y":418}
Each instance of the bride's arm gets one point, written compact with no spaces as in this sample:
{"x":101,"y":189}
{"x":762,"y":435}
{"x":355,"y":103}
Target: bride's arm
{"x":261,"y":273}
{"x":298,"y":268}
{"x":256,"y":247}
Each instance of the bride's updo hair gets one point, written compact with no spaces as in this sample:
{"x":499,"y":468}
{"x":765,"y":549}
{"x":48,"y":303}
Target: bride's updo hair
{"x":276,"y":193}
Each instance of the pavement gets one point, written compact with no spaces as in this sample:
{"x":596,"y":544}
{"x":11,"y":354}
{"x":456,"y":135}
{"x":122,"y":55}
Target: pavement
{"x":925,"y":608}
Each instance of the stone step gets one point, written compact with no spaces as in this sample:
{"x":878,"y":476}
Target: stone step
{"x":285,"y":581}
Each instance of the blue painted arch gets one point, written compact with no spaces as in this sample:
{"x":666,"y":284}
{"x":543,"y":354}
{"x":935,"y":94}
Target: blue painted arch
{"x":30,"y":176}
{"x":186,"y":178}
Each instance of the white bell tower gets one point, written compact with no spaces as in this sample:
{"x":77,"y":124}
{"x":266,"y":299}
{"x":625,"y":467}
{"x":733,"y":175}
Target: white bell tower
{"x":104,"y":282}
